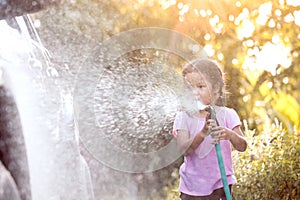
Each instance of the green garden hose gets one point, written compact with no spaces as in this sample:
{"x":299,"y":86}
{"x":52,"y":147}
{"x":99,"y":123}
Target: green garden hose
{"x":220,"y":159}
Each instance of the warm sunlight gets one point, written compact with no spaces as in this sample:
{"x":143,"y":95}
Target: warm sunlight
{"x":293,"y":2}
{"x":104,"y":95}
{"x":268,"y":58}
{"x":167,"y":3}
{"x":246,"y":29}
{"x":209,"y":50}
{"x":265,"y":10}
{"x":272,"y":55}
{"x":297,"y":17}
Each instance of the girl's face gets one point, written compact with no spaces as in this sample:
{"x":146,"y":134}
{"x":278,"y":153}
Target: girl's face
{"x":201,"y":88}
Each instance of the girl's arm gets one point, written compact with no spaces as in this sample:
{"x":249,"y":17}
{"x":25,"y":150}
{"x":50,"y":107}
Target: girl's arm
{"x":186,"y":144}
{"x":237,"y":139}
{"x":235,"y":136}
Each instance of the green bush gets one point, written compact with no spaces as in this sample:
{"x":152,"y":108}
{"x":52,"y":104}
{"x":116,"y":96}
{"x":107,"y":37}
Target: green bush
{"x":268,"y":169}
{"x":170,"y":192}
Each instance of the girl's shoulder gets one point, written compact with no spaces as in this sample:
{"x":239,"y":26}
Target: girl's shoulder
{"x":183,"y":114}
{"x":227,"y":111}
{"x":230,"y":117}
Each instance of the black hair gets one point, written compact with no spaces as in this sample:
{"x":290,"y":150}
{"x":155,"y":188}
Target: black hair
{"x":212,"y":72}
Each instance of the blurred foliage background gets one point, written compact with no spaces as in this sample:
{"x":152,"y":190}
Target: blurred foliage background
{"x":258,"y":44}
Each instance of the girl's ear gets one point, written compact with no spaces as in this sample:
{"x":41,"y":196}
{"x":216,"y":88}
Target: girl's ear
{"x":215,"y":93}
{"x":220,"y":100}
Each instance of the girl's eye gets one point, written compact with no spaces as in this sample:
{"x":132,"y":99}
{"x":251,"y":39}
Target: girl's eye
{"x":201,"y":86}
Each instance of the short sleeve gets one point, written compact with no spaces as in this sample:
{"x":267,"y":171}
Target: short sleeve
{"x":180,"y":122}
{"x":232,"y":119}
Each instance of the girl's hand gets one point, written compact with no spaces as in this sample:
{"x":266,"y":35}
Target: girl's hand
{"x":220,"y":133}
{"x":209,"y":126}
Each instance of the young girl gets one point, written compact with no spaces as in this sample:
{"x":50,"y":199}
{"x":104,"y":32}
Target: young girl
{"x":200,"y":177}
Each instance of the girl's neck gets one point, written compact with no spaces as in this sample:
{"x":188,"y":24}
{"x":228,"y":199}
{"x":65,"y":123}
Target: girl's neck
{"x":217,"y":108}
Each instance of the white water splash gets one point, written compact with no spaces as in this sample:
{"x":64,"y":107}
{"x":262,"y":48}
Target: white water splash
{"x":57,"y":170}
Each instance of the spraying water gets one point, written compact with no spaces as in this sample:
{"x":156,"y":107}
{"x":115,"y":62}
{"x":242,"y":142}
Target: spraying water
{"x":126,"y":96}
{"x":124,"y":112}
{"x":46,"y":114}
{"x":138,"y":100}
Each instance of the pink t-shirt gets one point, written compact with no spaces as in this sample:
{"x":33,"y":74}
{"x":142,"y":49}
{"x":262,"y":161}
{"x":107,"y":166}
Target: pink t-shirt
{"x":200,"y":174}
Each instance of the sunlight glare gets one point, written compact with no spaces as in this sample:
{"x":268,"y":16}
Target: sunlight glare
{"x":235,"y":61}
{"x":275,"y":39}
{"x":209,"y":50}
{"x":196,"y":12}
{"x":249,"y":63}
{"x":264,"y":11}
{"x":272,"y":55}
{"x":219,"y":28}
{"x":207,"y":36}
{"x":250,"y":43}
{"x":278,"y":12}
{"x":242,"y":91}
{"x":289,"y":18}
{"x":294,"y":3}
{"x":181,"y":18}
{"x":259,"y":103}
{"x":203,"y":13}
{"x":270,"y":84}
{"x":214,"y":20}
{"x":246,"y":98}
{"x":209,"y":12}
{"x":281,"y":2}
{"x":220,"y":56}
{"x":243,"y":15}
{"x":180,"y":5}
{"x":272,"y":23}
{"x":195,"y":48}
{"x":297,"y":17}
{"x":245,"y":30}
{"x":184,"y":9}
{"x":231,"y":18}
{"x":285,"y":80}
{"x":250,"y":52}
